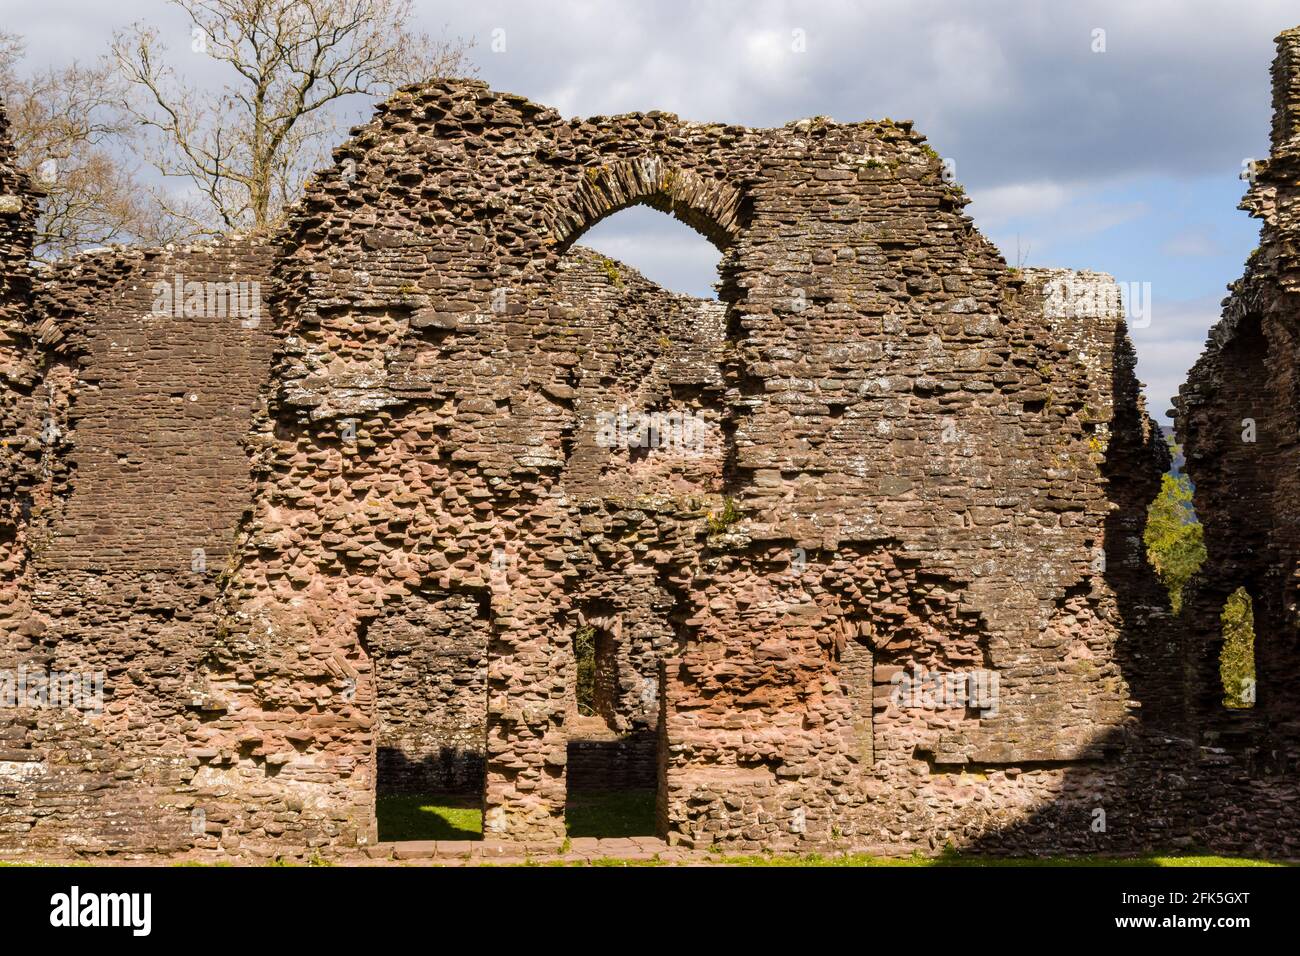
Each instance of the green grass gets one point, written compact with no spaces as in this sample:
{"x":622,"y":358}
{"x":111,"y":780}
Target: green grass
{"x":610,"y":813}
{"x":601,"y":813}
{"x":52,"y":863}
{"x":863,"y":859}
{"x":595,"y":813}
{"x":429,"y":817}
{"x":948,"y":859}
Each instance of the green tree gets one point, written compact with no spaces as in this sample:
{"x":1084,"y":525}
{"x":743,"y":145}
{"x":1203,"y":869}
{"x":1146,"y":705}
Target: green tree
{"x":1174,"y":538}
{"x":584,"y":651}
{"x":1237,"y":658}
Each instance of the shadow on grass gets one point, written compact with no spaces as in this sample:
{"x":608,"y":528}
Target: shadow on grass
{"x":617,"y":813}
{"x":954,"y":858}
{"x":610,"y":813}
{"x":429,"y":817}
{"x":590,"y":813}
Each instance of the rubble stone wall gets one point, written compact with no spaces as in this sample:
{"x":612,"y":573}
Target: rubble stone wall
{"x":899,"y":444}
{"x":19,"y":375}
{"x":143,"y":401}
{"x":430,"y":651}
{"x":345,"y":549}
{"x":1238,"y":418}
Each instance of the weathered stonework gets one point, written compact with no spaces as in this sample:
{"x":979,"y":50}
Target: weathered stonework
{"x":18,"y":373}
{"x":454,"y":437}
{"x":141,"y":414}
{"x":1237,"y":416}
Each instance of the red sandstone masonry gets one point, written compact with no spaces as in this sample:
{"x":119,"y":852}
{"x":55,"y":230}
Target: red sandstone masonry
{"x":131,"y":527}
{"x":864,"y":316}
{"x":19,"y":428}
{"x":905,"y":456}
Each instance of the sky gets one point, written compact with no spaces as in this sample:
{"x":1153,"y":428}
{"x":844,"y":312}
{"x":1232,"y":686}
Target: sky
{"x":1124,"y":160}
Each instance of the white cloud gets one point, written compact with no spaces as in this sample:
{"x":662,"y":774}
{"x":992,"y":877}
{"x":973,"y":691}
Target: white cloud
{"x":1091,"y":218}
{"x":1192,"y":242}
{"x":1170,"y":345}
{"x":1040,"y":126}
{"x":994,"y":205}
{"x":967,"y":59}
{"x":1030,"y":223}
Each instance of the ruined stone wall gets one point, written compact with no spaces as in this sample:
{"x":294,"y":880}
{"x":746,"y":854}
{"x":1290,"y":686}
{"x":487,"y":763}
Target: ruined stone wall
{"x":936,"y":773}
{"x":431,"y":672}
{"x":648,"y":351}
{"x":19,"y":444}
{"x":143,"y":480}
{"x":455,"y":437}
{"x":1239,"y":419}
{"x":150,"y":388}
{"x":901,"y":445}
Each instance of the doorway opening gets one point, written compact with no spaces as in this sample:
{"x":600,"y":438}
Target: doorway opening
{"x":612,"y":752}
{"x":429,"y":656}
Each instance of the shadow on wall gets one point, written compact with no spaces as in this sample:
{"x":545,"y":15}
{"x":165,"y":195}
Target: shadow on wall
{"x":1156,"y":787}
{"x":449,"y":770}
{"x":1122,"y":799}
{"x":627,"y":762}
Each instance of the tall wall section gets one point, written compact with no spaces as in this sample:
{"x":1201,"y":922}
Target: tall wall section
{"x":913,"y":451}
{"x":141,"y":371}
{"x":357,"y":536}
{"x":1239,"y":419}
{"x":150,"y":364}
{"x":19,"y":445}
{"x":647,"y":357}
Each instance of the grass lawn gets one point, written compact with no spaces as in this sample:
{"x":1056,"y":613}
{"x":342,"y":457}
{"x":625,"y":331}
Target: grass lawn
{"x":429,"y":817}
{"x":610,"y":813}
{"x":620,"y":814}
{"x":443,"y":817}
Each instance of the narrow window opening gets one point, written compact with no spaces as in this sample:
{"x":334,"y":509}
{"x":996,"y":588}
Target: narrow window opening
{"x":1174,"y":538}
{"x":857,"y":677}
{"x":1237,"y":655}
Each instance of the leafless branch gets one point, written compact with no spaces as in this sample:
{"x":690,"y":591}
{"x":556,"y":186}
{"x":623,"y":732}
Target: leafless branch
{"x":291,"y":65}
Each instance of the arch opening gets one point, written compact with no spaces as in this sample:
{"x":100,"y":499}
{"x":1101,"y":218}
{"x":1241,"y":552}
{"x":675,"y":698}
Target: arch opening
{"x":648,"y":426}
{"x":712,"y":207}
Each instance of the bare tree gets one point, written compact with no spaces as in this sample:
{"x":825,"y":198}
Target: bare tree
{"x":289,"y":65}
{"x":70,"y":135}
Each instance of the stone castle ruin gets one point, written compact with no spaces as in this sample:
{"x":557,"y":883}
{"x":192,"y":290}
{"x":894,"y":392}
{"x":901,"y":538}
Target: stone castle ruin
{"x":858,"y":545}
